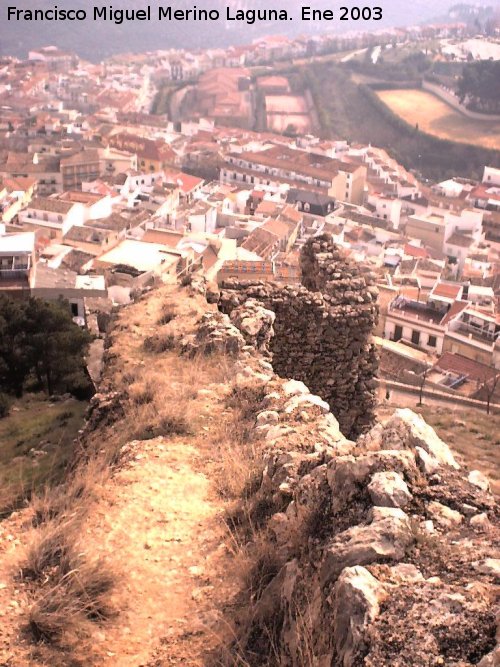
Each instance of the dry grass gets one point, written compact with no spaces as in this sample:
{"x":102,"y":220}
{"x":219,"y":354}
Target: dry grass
{"x":69,"y":589}
{"x":73,"y":497}
{"x":35,"y":421}
{"x":168,"y":313}
{"x":240,"y":455}
{"x":159,"y":343}
{"x":436,"y":117}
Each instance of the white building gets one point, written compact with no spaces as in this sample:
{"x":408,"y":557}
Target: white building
{"x":56,"y":215}
{"x":491,"y":176}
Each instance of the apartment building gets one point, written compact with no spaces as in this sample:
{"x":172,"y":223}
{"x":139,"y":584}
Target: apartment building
{"x":446,"y":231}
{"x":152,"y":155}
{"x":474,"y":334}
{"x":44,"y":169}
{"x":88,"y":164}
{"x":280,"y":165}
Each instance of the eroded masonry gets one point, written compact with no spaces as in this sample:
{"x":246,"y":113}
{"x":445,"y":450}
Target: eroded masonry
{"x":322,"y":329}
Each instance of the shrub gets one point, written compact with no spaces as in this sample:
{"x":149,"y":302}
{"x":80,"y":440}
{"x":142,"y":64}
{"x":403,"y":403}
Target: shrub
{"x":167,"y":315}
{"x":247,"y":400}
{"x":80,"y":596}
{"x":158,"y":343}
{"x":69,"y":590}
{"x":172,"y":424}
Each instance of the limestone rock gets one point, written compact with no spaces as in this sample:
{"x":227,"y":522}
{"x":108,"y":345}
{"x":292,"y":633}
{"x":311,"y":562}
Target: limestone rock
{"x":305,"y":400}
{"x":405,"y":573}
{"x":478,"y":479}
{"x":215,"y":334}
{"x":491,"y":660}
{"x":255,"y":323}
{"x":388,"y":489}
{"x":362,"y":545}
{"x":356,"y":603}
{"x":407,"y":430}
{"x":481,"y":522}
{"x":426,"y":462}
{"x":379,"y":513}
{"x":294,"y":388}
{"x":490,"y":566}
{"x":443,"y":515}
{"x":348,"y":474}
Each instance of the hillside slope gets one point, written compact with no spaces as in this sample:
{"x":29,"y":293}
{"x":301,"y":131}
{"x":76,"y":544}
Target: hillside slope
{"x":154,"y":518}
{"x":216,"y":514}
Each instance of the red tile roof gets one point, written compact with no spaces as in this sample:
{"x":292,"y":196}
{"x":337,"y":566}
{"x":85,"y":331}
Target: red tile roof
{"x":415,"y":251}
{"x":456,"y":308}
{"x":449,"y":291}
{"x":455,"y":363}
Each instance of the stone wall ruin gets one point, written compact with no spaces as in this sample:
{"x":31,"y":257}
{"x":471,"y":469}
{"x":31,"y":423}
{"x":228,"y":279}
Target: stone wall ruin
{"x":322,"y":329}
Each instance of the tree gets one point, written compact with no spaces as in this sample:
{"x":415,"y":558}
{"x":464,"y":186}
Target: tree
{"x":56,"y":344}
{"x":40,"y":337}
{"x":479,"y":86}
{"x":14,"y":363}
{"x":487,"y":390}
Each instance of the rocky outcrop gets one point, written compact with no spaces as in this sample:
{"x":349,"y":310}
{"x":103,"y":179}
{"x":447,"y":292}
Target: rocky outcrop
{"x":322,"y":329}
{"x":215,"y":335}
{"x":375,"y":537}
{"x":385,"y":547}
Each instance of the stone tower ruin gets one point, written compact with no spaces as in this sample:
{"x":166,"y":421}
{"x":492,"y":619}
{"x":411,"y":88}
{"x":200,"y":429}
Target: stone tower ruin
{"x":323,"y":328}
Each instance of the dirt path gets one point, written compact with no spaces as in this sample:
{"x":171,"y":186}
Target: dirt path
{"x":161,"y":525}
{"x":157,"y":521}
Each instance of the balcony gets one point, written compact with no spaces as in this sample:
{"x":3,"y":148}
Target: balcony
{"x":476,"y":333}
{"x":18,"y":272}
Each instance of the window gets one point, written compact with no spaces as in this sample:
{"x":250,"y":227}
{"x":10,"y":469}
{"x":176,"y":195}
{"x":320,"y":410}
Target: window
{"x":415,"y":337}
{"x":432,"y":342}
{"x":398,"y":332}
{"x":74,"y":309}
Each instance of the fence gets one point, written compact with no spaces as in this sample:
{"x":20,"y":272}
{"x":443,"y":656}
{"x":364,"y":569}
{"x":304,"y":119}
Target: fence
{"x":450,"y":99}
{"x":437,"y":395}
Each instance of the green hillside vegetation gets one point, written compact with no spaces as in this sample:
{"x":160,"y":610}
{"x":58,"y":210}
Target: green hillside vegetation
{"x":479,"y":85}
{"x":350,"y":111}
{"x":41,"y":356}
{"x":37,"y":445}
